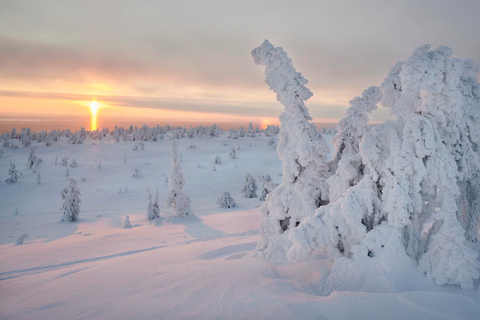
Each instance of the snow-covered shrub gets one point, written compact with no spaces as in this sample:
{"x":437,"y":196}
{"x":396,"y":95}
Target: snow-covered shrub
{"x":13,"y":173}
{"x":137,"y":173}
{"x":67,"y":173}
{"x":65,"y":161}
{"x":225,"y":200}
{"x":192,"y":146}
{"x":127,"y":224}
{"x":71,"y":201}
{"x":233,"y":154}
{"x":21,"y":239}
{"x":56,"y":160}
{"x":302,"y":150}
{"x":73,"y":163}
{"x":39,"y":178}
{"x":176,"y":199}
{"x":413,"y":173}
{"x":218,"y":160}
{"x":153,"y":210}
{"x":250,"y":188}
{"x":83,"y":179}
{"x":99,"y":166}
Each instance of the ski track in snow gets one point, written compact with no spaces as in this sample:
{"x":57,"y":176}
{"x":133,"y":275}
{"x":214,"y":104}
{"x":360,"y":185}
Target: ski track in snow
{"x":34,"y":270}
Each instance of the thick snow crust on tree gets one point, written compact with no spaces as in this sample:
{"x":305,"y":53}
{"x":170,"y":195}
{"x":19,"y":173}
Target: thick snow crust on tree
{"x":176,"y":199}
{"x":71,"y":201}
{"x":419,"y":170}
{"x":354,"y":125}
{"x":153,"y":209}
{"x":250,"y":188}
{"x":225,"y":200}
{"x":301,"y":149}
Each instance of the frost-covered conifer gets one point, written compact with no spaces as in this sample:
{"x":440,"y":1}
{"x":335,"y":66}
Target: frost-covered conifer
{"x":39,"y":178}
{"x":250,"y":188}
{"x":250,"y":131}
{"x":225,"y":200}
{"x":13,"y":173}
{"x":33,"y":161}
{"x":65,"y":162}
{"x":267,"y":187}
{"x":153,"y":210}
{"x":127,"y":224}
{"x":354,"y":125}
{"x":176,"y":199}
{"x":233,"y":154}
{"x":137,"y":173}
{"x":56,"y":160}
{"x":301,"y":149}
{"x":21,"y":239}
{"x":73,"y":163}
{"x":414,"y":168}
{"x":71,"y":201}
{"x":25,"y":136}
{"x":218,"y":160}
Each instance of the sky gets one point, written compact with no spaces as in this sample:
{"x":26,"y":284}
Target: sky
{"x":189,"y":61}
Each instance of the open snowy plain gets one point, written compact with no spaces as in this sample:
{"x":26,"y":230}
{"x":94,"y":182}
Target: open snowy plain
{"x":196,"y":268}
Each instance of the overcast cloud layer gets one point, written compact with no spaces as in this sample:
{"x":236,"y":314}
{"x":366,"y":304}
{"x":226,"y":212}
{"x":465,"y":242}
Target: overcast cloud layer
{"x":174,"y":49}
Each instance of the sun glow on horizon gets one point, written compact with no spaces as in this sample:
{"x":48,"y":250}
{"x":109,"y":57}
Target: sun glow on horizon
{"x":94,"y":105}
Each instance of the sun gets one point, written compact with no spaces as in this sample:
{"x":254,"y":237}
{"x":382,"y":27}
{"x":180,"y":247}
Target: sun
{"x":94,"y":105}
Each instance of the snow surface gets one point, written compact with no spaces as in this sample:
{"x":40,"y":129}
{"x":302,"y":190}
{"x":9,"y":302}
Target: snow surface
{"x":174,"y":268}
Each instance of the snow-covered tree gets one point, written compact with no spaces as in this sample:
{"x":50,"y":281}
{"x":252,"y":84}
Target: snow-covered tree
{"x":225,"y":200}
{"x":73,"y":163}
{"x":13,"y":173}
{"x":33,"y":161}
{"x":137,"y":173}
{"x":153,"y":210}
{"x":127,"y":224}
{"x":176,"y":199}
{"x":218,"y":160}
{"x":65,"y":162}
{"x":233,"y":154}
{"x":353,"y":126}
{"x":71,"y":201}
{"x":21,"y":239}
{"x":301,"y":149}
{"x":250,"y":131}
{"x":26,"y":137}
{"x":250,"y":188}
{"x":414,"y":168}
{"x":267,"y":187}
{"x":39,"y":178}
